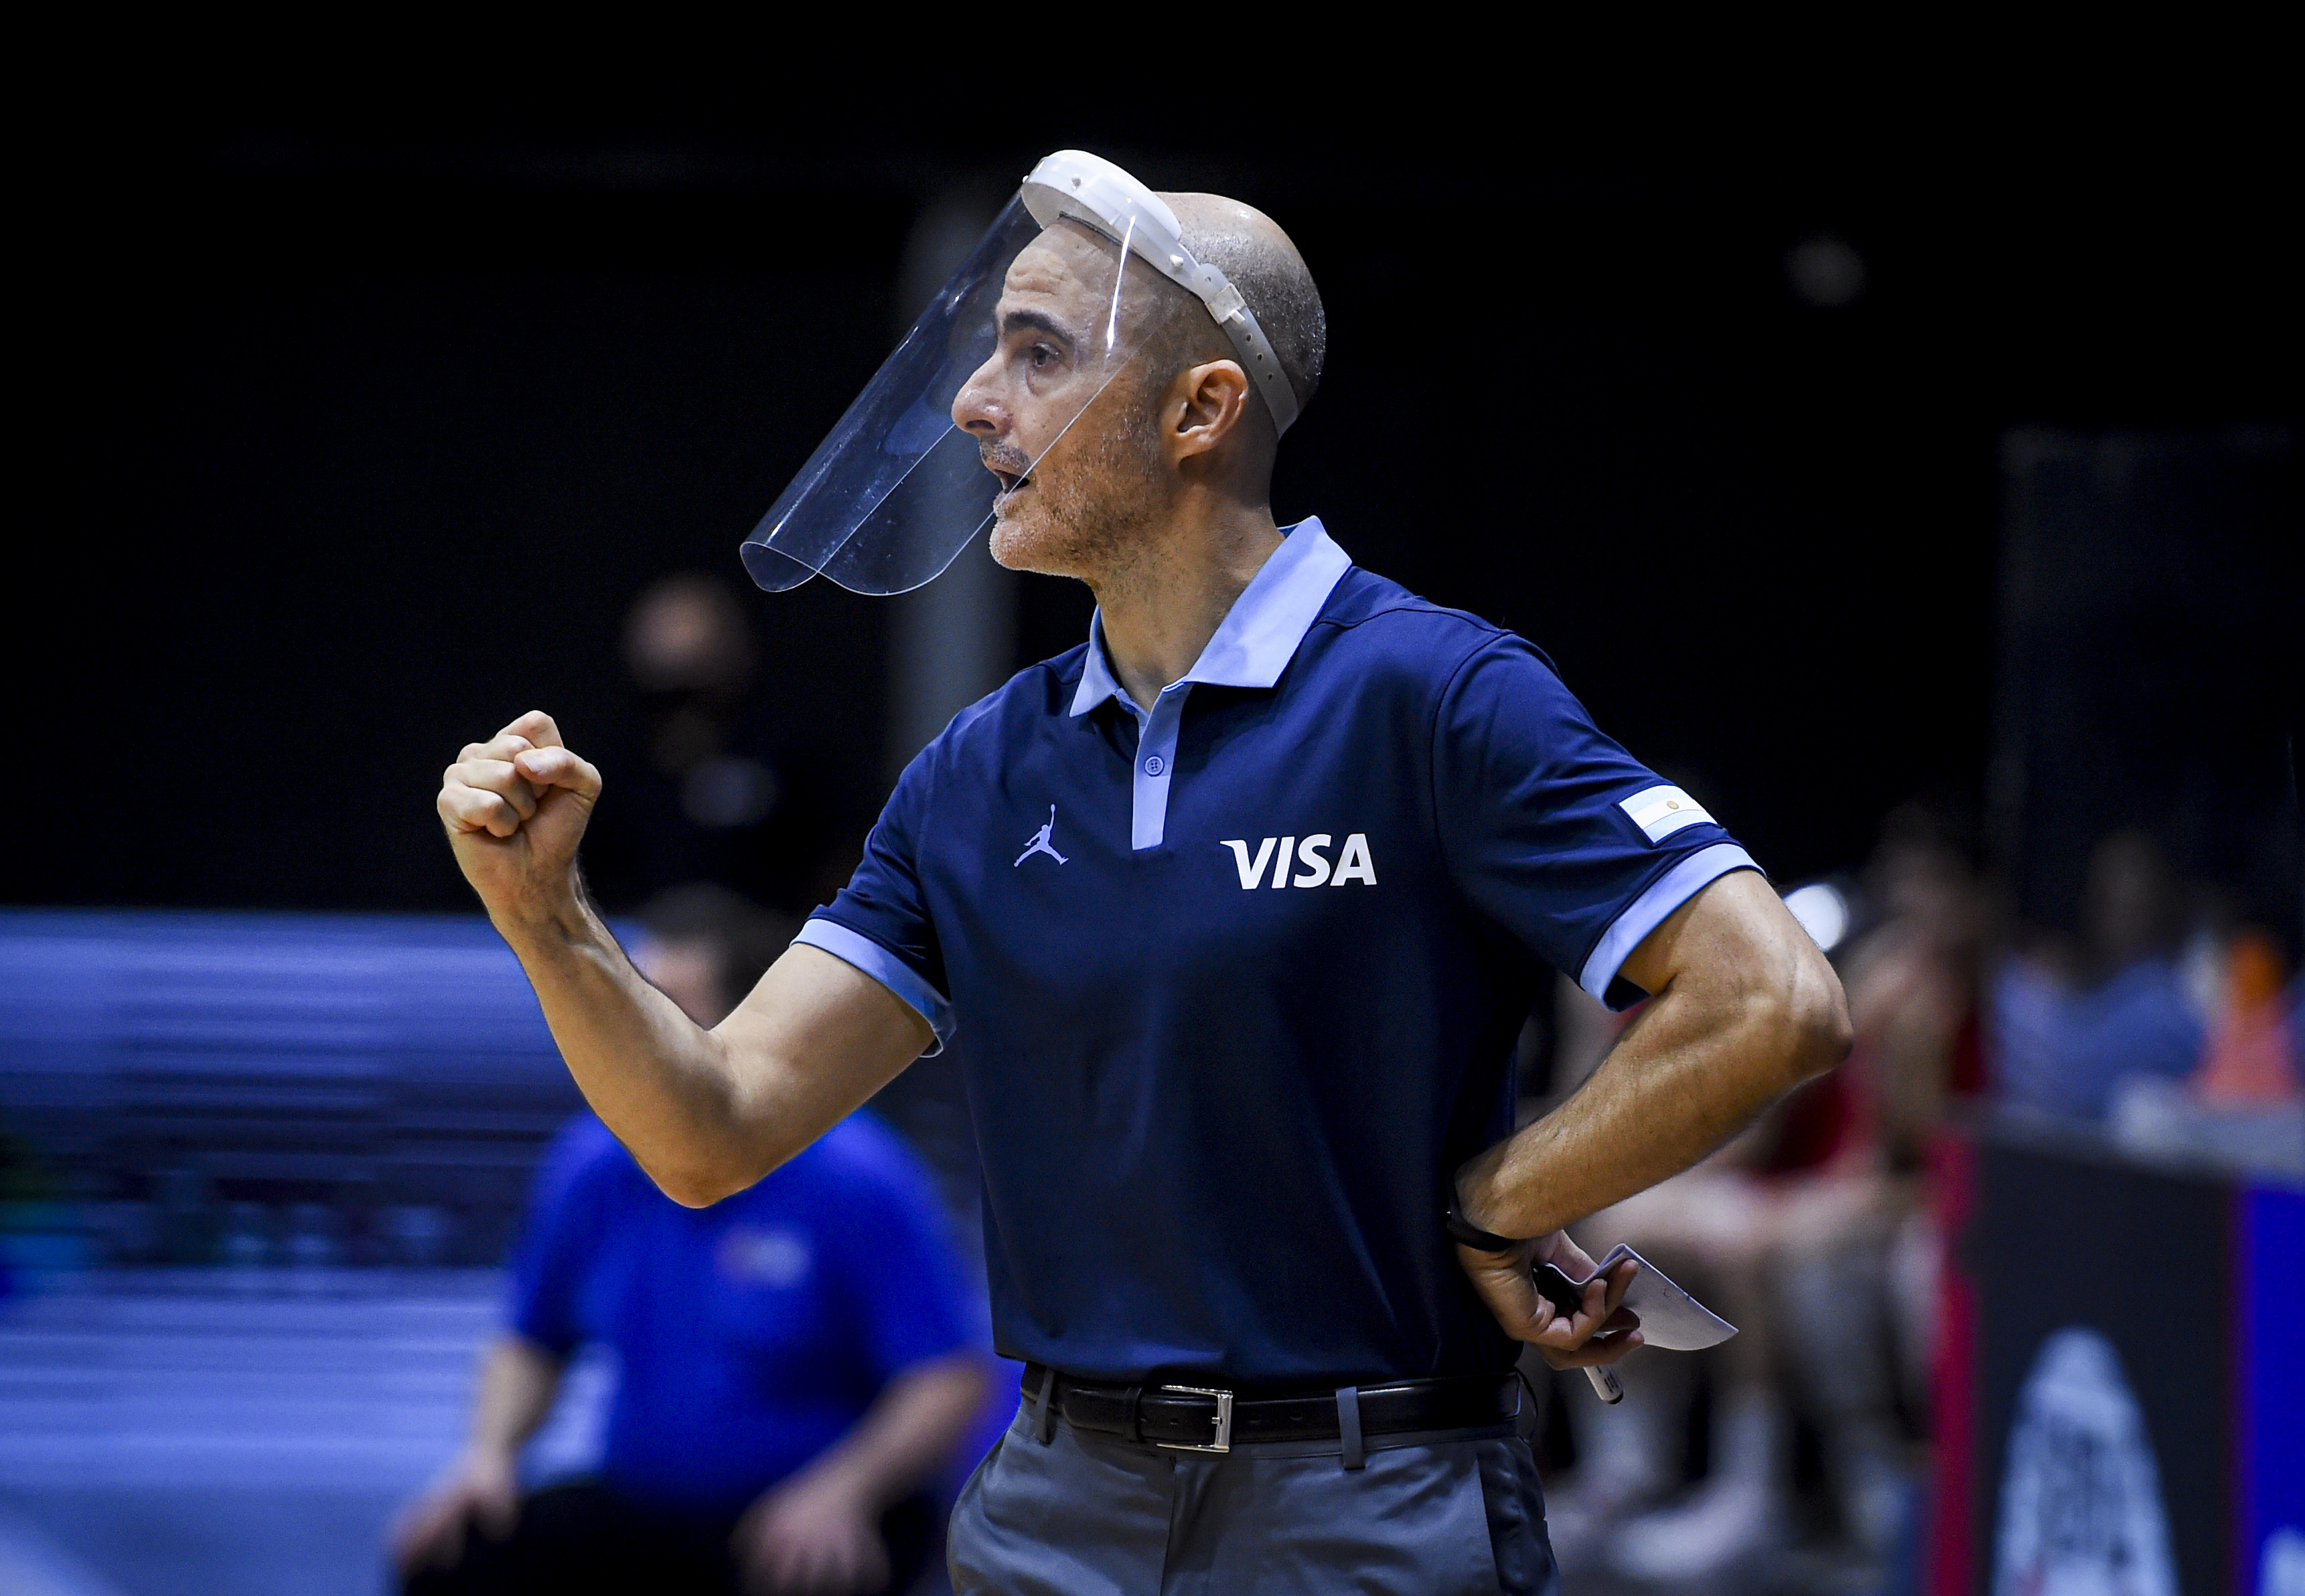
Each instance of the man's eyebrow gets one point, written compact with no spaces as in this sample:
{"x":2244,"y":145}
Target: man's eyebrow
{"x":1013,"y":322}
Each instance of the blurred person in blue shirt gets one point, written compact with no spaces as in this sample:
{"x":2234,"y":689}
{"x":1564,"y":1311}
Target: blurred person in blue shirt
{"x":2069,"y":1030}
{"x":796,"y":1363}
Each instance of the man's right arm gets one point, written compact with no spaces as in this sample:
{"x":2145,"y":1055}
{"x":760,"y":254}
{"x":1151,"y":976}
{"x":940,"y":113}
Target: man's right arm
{"x":706,"y":1113}
{"x":518,"y":1383}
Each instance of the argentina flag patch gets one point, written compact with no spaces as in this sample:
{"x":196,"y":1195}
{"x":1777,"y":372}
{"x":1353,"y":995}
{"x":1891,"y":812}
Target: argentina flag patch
{"x":1660,"y":811}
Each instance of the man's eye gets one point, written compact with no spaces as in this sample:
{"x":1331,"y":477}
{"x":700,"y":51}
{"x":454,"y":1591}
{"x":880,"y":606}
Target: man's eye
{"x":1041,"y":356}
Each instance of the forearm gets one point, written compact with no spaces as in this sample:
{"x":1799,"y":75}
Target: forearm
{"x":667,"y":1087}
{"x":1699,"y":1064}
{"x":517,"y":1384}
{"x":908,"y":1432}
{"x":706,"y":1113}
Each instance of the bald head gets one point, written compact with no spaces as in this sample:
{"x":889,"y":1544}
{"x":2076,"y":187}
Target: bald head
{"x":1251,"y":250}
{"x":1184,"y":431}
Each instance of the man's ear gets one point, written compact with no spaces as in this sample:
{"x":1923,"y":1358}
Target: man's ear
{"x":1206,"y":404}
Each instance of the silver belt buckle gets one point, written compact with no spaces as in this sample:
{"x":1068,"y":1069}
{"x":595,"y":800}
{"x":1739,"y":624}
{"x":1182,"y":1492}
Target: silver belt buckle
{"x":1223,"y":1442}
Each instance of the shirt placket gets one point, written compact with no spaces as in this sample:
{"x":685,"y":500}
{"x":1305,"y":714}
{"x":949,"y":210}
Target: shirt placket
{"x":1155,"y":764}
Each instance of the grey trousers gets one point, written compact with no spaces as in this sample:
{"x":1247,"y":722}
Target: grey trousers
{"x":1089,"y":1515}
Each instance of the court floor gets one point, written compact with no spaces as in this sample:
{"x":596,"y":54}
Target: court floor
{"x":219,"y":1433}
{"x":226,"y":1432}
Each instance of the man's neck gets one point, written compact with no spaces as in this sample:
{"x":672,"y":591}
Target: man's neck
{"x":1161,"y":610}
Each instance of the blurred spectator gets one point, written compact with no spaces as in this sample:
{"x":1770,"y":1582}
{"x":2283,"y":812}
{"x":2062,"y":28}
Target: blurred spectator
{"x":1854,"y":1256}
{"x":795,"y":1363}
{"x":1808,"y":1233}
{"x":2242,"y":1109}
{"x":700,"y":798}
{"x":707,"y":946}
{"x":1708,"y":1228}
{"x":2069,"y":1029}
{"x":2252,"y":1052}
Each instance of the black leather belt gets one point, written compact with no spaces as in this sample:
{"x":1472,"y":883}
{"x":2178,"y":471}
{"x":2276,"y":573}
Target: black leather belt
{"x":1201,"y":1419}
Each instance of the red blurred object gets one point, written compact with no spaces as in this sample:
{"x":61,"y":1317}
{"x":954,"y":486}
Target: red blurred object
{"x":2251,"y":1056}
{"x":1818,"y":1122}
{"x":1952,"y":1374}
{"x":1965,"y":1073}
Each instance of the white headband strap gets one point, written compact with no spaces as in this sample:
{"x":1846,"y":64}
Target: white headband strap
{"x":1099,"y":195}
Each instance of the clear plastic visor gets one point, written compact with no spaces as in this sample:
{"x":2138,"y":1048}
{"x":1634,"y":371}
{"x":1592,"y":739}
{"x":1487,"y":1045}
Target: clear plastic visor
{"x":1011,"y":353}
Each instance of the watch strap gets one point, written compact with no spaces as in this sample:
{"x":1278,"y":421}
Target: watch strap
{"x":1465,"y":1233}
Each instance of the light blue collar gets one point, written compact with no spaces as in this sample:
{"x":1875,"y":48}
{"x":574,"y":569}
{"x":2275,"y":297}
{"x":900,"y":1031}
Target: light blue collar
{"x":1259,"y":634}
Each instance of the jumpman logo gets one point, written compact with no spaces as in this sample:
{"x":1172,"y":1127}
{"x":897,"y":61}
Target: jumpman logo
{"x":1041,"y":844}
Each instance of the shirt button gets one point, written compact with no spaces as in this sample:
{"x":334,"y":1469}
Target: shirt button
{"x":1154,"y":765}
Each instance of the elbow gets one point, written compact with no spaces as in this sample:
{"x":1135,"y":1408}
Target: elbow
{"x":715,"y":1152}
{"x":1795,"y":1021}
{"x":696,"y":1186}
{"x":687,"y":1189}
{"x":1817,"y":1033}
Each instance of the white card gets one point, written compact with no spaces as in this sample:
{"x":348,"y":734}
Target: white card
{"x":1670,"y":1317}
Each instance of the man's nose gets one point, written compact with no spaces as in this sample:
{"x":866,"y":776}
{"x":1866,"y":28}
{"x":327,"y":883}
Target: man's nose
{"x":976,"y":408}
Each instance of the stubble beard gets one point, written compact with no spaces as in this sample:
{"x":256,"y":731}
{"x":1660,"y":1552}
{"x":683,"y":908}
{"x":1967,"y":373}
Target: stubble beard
{"x":1084,"y":516}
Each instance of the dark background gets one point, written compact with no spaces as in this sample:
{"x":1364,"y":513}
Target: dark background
{"x":366,"y":427}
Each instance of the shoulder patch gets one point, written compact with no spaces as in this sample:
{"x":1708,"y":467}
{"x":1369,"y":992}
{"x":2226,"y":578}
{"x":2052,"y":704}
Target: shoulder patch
{"x":1660,"y":811}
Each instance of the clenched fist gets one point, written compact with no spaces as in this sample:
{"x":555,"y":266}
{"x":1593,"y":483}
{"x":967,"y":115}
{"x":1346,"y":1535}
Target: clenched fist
{"x":515,"y":808}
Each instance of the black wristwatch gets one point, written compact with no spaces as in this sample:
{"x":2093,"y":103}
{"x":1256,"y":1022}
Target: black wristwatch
{"x":1465,"y":1233}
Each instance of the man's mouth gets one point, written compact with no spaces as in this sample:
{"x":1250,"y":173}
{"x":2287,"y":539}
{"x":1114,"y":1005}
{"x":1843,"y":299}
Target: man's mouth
{"x":1011,"y":468}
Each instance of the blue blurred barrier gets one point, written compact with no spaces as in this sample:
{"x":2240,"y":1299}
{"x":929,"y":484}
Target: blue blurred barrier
{"x":266,"y":1090}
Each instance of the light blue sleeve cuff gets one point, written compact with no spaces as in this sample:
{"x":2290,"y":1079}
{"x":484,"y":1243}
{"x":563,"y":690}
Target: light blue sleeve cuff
{"x":1675,"y":887}
{"x":854,"y":947}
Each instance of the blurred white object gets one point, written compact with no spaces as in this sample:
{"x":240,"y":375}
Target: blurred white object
{"x":1823,"y":913}
{"x":1620,"y":1463}
{"x":2080,"y":1495}
{"x":1876,"y":1491}
{"x":2161,"y":1120}
{"x":2281,"y":1571}
{"x":1733,"y":1514}
{"x":2201,"y":972}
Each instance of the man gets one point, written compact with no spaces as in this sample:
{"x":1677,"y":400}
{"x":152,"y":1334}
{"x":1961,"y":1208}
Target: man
{"x":1309,"y":845}
{"x":795,"y":1364}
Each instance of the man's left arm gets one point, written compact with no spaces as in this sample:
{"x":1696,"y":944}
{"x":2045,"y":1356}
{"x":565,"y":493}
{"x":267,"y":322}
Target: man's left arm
{"x":1744,"y":1008}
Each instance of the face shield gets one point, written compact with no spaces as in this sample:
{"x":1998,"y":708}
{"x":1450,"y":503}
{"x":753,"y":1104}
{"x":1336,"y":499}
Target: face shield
{"x":1055,"y":301}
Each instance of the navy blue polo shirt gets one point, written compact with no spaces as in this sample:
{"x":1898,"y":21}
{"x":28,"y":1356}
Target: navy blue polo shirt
{"x":1242,"y":976}
{"x":752,"y":1335}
